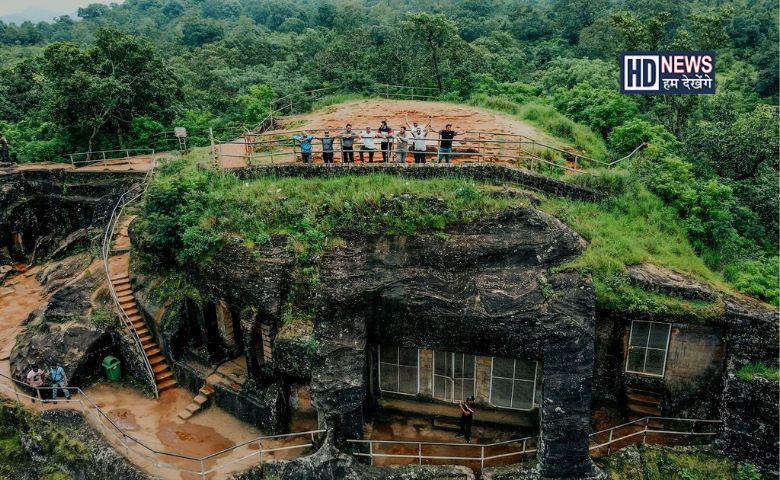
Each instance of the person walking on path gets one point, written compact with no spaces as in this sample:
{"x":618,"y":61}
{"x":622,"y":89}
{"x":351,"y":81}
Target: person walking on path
{"x":305,"y":140}
{"x":368,"y":145}
{"x":387,"y":140}
{"x":59,"y":381}
{"x":347,"y":141}
{"x":467,"y":410}
{"x":402,"y":141}
{"x":445,"y":143}
{"x":35,"y":379}
{"x":327,"y":147}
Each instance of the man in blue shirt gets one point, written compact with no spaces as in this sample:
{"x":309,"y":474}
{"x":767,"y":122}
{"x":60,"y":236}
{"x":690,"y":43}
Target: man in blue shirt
{"x":58,"y":380}
{"x":305,"y":140}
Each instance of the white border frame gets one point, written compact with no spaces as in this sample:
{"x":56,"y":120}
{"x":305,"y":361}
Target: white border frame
{"x":512,"y":394}
{"x":646,"y":347}
{"x":379,"y":367}
{"x":452,"y":379}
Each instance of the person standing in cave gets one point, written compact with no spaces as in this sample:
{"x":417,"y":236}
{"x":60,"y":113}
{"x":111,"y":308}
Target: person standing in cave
{"x":35,"y":379}
{"x":58,"y":380}
{"x":467,"y":410}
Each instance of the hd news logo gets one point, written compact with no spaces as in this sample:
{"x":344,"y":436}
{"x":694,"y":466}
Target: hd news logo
{"x":667,"y":72}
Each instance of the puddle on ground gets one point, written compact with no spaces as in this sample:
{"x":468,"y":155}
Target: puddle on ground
{"x":123,"y":418}
{"x":192,"y":439}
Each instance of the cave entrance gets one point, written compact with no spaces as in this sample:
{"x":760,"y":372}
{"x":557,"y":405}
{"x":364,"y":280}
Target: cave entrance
{"x":416,"y":390}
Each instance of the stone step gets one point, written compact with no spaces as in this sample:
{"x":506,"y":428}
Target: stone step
{"x":162,"y":376}
{"x":160,"y":367}
{"x":200,"y":399}
{"x":206,"y":390}
{"x":125,"y":297}
{"x":635,"y":396}
{"x":120,"y":283}
{"x":140,"y":329}
{"x":185,"y":415}
{"x":450,"y":424}
{"x":120,"y":278}
{"x":152,"y":351}
{"x":644,"y":410}
{"x":135,"y":317}
{"x":165,"y":385}
{"x":192,"y":408}
{"x":158,"y":359}
{"x":120,"y":249}
{"x":146,"y":336}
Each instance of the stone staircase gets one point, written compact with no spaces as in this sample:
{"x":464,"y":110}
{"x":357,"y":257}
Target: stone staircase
{"x":200,"y":402}
{"x":163,"y":375}
{"x":120,"y":279}
{"x":643,"y":403}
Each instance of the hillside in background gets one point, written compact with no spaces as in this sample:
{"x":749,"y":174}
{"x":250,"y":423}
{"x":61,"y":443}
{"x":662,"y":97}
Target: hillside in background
{"x":124,"y":73}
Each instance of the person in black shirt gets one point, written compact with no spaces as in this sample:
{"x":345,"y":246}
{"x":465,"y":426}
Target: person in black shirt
{"x":445,"y":143}
{"x":387,"y":140}
{"x":467,"y":410}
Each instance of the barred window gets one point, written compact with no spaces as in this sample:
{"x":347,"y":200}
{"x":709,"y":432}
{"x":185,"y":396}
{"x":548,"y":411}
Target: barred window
{"x":648,"y":344}
{"x":398,"y":369}
{"x":453,"y":375}
{"x":513,"y":383}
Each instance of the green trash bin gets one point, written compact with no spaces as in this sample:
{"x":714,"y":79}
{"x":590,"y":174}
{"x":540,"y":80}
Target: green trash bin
{"x":111,"y":366}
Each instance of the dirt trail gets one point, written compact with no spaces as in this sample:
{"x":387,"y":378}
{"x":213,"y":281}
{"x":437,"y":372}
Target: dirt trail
{"x":363,"y":113}
{"x":153,"y":422}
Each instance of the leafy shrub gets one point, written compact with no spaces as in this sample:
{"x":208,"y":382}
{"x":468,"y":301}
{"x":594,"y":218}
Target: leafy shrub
{"x":626,"y":137}
{"x":753,"y":370}
{"x":757,"y":277}
{"x":747,"y":471}
{"x":609,"y":182}
{"x":599,"y":108}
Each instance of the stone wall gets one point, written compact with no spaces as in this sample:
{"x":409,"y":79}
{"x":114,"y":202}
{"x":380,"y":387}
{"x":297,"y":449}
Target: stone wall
{"x":42,"y":207}
{"x":491,"y":172}
{"x":749,"y":411}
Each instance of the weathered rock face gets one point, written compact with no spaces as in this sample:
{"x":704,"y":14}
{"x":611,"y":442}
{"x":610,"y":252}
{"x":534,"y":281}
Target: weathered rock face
{"x":750,"y":431}
{"x":62,"y":331}
{"x":62,"y":441}
{"x":40,"y":209}
{"x":331,"y":464}
{"x":484,"y":290}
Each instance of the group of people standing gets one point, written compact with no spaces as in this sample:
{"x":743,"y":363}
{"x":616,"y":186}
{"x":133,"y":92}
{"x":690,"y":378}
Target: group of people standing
{"x":409,"y":138}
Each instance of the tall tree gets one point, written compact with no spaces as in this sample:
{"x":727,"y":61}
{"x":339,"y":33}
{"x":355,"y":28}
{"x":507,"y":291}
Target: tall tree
{"x":435,"y":32}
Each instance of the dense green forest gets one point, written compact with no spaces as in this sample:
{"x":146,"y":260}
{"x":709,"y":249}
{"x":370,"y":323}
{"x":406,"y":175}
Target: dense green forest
{"x":120,"y":74}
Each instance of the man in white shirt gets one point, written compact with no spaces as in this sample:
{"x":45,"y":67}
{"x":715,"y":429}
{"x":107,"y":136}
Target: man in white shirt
{"x":367,"y":139}
{"x":418,"y":134}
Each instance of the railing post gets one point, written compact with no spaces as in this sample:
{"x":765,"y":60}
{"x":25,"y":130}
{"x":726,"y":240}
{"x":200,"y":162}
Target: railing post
{"x":371,"y":453}
{"x":202,"y":470}
{"x":482,"y":457}
{"x":644,"y":435}
{"x":419,"y":453}
{"x":609,"y":444}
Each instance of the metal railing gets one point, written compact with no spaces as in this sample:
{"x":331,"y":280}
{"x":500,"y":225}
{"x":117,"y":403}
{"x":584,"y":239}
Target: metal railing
{"x":278,"y":146}
{"x":629,"y":433}
{"x":101,"y":155}
{"x":159,"y":463}
{"x":643,"y":430}
{"x":131,"y":195}
{"x":481,"y":452}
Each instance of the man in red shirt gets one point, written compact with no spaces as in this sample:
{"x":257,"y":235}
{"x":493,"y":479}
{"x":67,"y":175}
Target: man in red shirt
{"x":467,"y":410}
